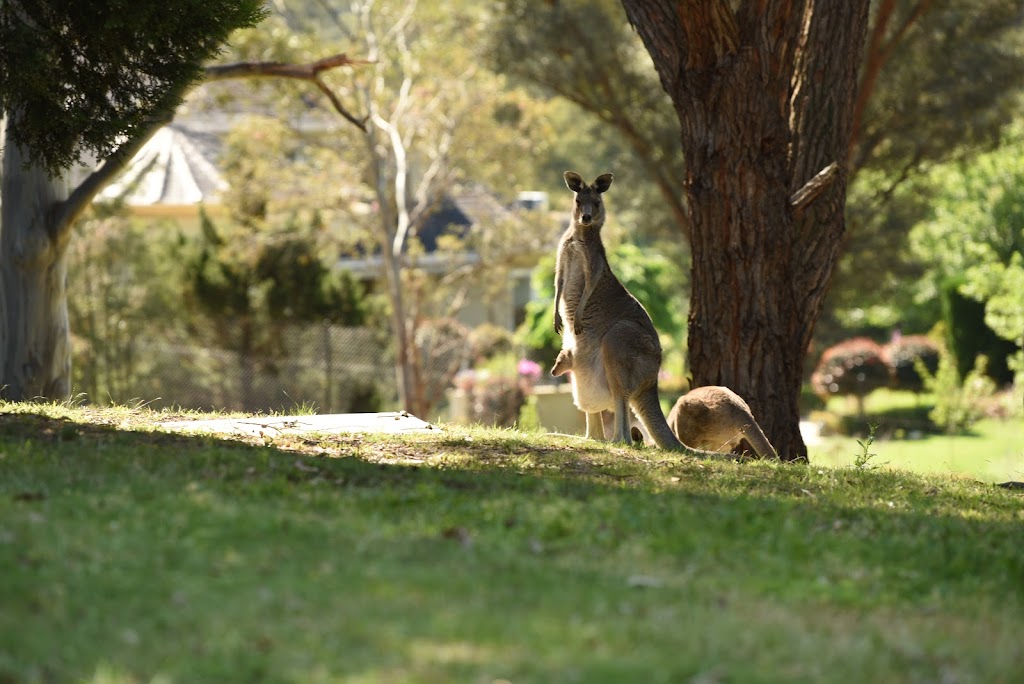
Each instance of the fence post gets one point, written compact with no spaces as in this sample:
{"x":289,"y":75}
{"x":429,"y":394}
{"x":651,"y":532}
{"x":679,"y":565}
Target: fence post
{"x":328,"y":368}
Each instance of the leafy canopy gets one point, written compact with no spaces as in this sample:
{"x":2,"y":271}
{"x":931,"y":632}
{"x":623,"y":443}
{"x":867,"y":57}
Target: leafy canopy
{"x":977,"y":225}
{"x":86,"y":76}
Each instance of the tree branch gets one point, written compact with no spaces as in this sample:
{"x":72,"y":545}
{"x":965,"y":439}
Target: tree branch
{"x":813,"y":188}
{"x":302,"y":72}
{"x":879,"y":51}
{"x":70,"y":209}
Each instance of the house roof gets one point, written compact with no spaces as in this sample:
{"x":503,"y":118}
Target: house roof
{"x":457,"y":212}
{"x":173,"y":169}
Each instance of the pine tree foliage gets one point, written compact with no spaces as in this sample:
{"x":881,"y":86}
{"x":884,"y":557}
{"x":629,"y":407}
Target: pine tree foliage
{"x":104,"y":69}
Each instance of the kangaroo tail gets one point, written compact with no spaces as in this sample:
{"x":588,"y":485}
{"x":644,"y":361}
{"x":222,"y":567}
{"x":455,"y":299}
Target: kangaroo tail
{"x":648,"y":410}
{"x":758,"y":442}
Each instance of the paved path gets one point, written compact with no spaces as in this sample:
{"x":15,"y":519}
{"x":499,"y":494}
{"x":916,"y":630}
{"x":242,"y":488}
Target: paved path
{"x":392,"y":422}
{"x":388,"y":422}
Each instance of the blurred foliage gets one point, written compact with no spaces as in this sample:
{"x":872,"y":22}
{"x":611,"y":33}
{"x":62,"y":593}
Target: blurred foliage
{"x":967,"y":336}
{"x":971,"y":249}
{"x":950,"y":84}
{"x":488,"y":340}
{"x":270,"y":263}
{"x":121,"y":287}
{"x":903,"y":355}
{"x":958,"y":405}
{"x":613,"y":114}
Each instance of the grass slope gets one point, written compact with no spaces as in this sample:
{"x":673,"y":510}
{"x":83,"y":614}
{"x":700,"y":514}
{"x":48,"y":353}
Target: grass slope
{"x":484,"y":556}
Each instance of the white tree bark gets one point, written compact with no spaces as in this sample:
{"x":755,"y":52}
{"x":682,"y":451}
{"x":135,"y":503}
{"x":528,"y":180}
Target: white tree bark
{"x":35,"y":353}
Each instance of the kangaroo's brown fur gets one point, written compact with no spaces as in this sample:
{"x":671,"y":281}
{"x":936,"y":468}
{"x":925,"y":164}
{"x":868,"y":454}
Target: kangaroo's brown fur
{"x":716,"y":418}
{"x":615,"y":349}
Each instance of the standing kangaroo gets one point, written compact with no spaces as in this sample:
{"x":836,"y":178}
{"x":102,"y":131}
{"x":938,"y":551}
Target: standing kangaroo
{"x":717,"y":418}
{"x":615,"y":349}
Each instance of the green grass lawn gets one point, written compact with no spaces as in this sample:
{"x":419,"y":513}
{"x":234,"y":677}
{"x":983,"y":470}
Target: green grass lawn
{"x":993,"y":451}
{"x":470,"y":555}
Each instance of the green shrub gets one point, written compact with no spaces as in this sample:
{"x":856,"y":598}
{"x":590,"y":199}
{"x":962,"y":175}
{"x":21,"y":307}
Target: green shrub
{"x":489,"y":340}
{"x":958,"y":405}
{"x":970,"y":336}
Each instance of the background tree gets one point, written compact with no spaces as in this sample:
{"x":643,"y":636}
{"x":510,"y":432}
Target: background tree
{"x":433,"y":119}
{"x":585,"y":52}
{"x":971,"y":249}
{"x":920,"y":101}
{"x":267,"y":266}
{"x":102,"y":98}
{"x":78,"y":78}
{"x":122,"y":288}
{"x":763,"y":95}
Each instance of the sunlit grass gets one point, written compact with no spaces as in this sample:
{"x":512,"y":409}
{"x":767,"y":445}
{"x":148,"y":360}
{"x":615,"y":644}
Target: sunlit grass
{"x":993,"y":451}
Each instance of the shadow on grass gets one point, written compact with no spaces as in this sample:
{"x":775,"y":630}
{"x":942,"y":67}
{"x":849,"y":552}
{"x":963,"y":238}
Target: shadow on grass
{"x":449,"y":558}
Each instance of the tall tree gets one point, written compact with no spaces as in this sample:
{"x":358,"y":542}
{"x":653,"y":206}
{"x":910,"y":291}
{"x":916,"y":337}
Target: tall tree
{"x":76,"y":78}
{"x":434,"y":119}
{"x":919,"y":100}
{"x":763,"y":94}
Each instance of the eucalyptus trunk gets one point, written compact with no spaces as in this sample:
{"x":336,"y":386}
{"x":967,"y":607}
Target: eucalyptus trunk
{"x":35,"y":349}
{"x":764,"y":96}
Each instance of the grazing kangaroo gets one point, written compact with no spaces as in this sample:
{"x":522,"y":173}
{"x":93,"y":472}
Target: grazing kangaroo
{"x":716,"y":418}
{"x":616,"y":353}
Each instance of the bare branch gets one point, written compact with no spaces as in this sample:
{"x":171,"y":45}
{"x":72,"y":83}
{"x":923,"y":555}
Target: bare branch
{"x":303,"y":72}
{"x":813,"y":188}
{"x":67,"y":211}
{"x":879,"y":51}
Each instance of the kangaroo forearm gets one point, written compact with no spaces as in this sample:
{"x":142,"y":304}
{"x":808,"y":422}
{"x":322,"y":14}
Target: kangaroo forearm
{"x":590,"y":283}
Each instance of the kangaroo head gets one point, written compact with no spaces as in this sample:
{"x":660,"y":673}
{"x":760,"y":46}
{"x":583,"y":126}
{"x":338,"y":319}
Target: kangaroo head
{"x":563,"y":364}
{"x":588,"y":209}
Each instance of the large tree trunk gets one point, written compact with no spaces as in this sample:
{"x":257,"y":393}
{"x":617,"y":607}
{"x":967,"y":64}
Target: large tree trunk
{"x":35,"y":350}
{"x":763,"y":95}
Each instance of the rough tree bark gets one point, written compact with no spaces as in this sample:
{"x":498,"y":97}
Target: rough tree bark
{"x":764,"y":96}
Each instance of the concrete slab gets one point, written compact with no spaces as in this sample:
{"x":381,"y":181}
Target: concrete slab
{"x":336,"y":423}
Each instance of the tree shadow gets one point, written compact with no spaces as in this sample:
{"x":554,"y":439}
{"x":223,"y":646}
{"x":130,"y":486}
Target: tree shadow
{"x":322,"y":557}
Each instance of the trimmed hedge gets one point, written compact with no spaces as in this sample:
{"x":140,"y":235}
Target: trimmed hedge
{"x":853,"y":367}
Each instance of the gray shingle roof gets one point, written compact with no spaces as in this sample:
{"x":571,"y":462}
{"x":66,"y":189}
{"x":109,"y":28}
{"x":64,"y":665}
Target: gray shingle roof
{"x":175,"y":168}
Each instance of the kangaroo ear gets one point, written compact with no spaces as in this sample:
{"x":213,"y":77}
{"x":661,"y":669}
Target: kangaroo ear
{"x":603,"y":182}
{"x":574,"y":181}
